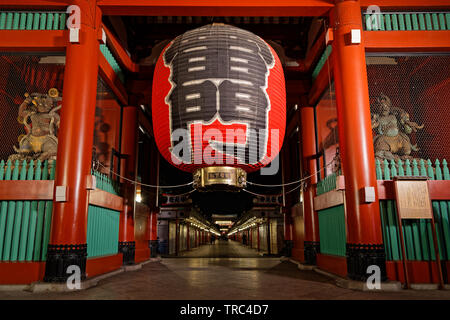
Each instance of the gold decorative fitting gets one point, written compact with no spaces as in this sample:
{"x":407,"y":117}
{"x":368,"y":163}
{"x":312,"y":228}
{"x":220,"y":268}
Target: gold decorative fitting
{"x":53,"y":93}
{"x":219,"y":178}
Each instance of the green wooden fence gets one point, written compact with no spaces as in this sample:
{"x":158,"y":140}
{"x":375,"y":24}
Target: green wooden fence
{"x":105,"y":183}
{"x":326,"y":184}
{"x":103,"y":224}
{"x":404,"y":21}
{"x":332,"y":231}
{"x":112,"y":62}
{"x":323,"y":59}
{"x":25,"y":225}
{"x":102,"y":231}
{"x":331,"y":221}
{"x":17,"y":20}
{"x":417,"y":233}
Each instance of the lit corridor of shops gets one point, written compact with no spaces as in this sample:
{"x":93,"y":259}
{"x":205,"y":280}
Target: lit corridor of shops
{"x":225,"y":270}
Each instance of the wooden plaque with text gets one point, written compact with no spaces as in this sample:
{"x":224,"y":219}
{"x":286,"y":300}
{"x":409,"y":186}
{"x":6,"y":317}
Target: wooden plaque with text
{"x":413,"y":199}
{"x":413,"y":202}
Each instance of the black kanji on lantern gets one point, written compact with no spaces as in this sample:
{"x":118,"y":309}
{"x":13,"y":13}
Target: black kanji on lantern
{"x":220,"y":71}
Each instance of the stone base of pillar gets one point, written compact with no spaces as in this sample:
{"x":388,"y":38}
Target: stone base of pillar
{"x":60,"y":257}
{"x":361,"y":256}
{"x":312,"y":248}
{"x":127,"y":248}
{"x":153,"y":245}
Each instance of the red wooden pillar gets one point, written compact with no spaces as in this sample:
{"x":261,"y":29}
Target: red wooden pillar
{"x":188,"y":240}
{"x":69,"y":222}
{"x":269,"y":237}
{"x":177,"y":237}
{"x":153,"y":241}
{"x":257,"y":234}
{"x":127,"y":243}
{"x":311,"y":220}
{"x":287,"y":223}
{"x":288,"y":232}
{"x":195,"y":232}
{"x":364,"y":237}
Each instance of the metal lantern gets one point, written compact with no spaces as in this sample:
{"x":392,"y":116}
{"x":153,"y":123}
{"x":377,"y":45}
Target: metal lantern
{"x":219,"y":104}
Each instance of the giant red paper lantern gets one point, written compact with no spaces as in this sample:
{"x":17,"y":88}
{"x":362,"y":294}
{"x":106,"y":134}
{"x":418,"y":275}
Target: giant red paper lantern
{"x":218,"y":99}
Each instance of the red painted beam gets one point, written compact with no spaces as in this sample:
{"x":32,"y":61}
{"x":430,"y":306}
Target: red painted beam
{"x":418,"y":271}
{"x":131,"y":7}
{"x":323,"y":80}
{"x":26,"y":190}
{"x":101,"y":265}
{"x":334,"y":264}
{"x":35,"y":4}
{"x":33,"y":40}
{"x":439,"y":189}
{"x":119,"y":52}
{"x":105,"y":199}
{"x":107,"y":73}
{"x":416,"y":41}
{"x":315,"y":51}
{"x":21,"y":272}
{"x":386,"y":190}
{"x":266,"y":8}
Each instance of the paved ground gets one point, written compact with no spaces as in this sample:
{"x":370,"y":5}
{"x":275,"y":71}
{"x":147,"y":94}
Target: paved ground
{"x":222,"y":278}
{"x":221,"y":249}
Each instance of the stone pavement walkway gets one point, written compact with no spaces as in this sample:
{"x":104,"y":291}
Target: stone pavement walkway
{"x":223,"y":278}
{"x":221,"y":249}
